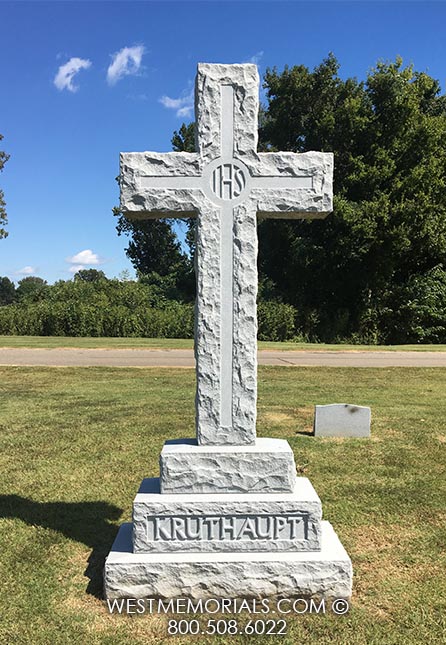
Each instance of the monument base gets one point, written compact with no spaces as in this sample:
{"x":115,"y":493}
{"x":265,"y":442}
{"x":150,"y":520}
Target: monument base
{"x":322,"y":574}
{"x":267,"y":465}
{"x":226,"y":521}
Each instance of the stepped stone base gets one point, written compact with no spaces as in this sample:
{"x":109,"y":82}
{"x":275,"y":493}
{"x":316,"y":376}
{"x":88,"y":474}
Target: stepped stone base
{"x":323,"y":574}
{"x":267,"y":465}
{"x":226,"y":521}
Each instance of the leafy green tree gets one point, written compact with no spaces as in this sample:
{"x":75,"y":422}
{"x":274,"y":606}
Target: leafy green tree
{"x":3,"y":216}
{"x":102,"y":294}
{"x":89,"y":275}
{"x":183,"y":140}
{"x":32,"y":289}
{"x":153,"y":247}
{"x":7,"y":291}
{"x":414,"y":312}
{"x":125,"y":276}
{"x":388,"y":135}
{"x":387,"y":234}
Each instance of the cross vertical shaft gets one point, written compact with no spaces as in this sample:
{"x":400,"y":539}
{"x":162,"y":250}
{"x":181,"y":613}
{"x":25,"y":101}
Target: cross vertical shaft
{"x":226,"y":184}
{"x":226,"y":253}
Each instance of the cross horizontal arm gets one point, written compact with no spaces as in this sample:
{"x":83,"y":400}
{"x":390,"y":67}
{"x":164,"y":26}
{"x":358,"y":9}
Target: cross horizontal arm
{"x":292,"y":185}
{"x":157,"y":185}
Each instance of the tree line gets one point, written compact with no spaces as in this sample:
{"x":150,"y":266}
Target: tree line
{"x":93,"y":305}
{"x":375,"y":270}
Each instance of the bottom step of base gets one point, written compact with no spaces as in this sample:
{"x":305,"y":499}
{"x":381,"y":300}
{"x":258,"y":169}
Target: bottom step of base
{"x":323,"y":574}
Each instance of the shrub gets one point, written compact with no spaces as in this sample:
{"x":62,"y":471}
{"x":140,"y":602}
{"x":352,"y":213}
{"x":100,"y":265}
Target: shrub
{"x":276,"y":321}
{"x":83,"y":319}
{"x":415,"y":312}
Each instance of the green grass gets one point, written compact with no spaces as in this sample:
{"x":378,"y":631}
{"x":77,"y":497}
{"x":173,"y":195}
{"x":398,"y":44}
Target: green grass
{"x":76,"y":442}
{"x":48,"y":342}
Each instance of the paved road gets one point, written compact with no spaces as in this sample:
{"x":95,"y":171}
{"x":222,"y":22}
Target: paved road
{"x":185,"y":358}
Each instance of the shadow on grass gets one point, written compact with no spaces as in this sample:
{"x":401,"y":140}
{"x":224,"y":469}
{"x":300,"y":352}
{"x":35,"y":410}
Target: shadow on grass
{"x":85,"y":522}
{"x":305,"y":433}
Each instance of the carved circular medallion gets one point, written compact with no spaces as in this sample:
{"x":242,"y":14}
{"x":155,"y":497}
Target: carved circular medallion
{"x":226,"y":181}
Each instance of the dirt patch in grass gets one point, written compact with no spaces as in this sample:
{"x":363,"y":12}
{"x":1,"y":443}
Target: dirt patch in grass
{"x":93,"y":611}
{"x":386,"y":567}
{"x":277,"y":417}
{"x":295,"y":420}
{"x":377,"y":539}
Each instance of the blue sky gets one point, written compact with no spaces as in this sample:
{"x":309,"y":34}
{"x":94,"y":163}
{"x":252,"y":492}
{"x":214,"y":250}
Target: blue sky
{"x":82,"y":81}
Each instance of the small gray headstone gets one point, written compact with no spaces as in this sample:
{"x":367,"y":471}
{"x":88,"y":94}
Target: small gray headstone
{"x":342,"y":420}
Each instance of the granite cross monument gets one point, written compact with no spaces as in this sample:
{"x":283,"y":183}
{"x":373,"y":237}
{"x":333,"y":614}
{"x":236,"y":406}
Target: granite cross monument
{"x":227,"y":516}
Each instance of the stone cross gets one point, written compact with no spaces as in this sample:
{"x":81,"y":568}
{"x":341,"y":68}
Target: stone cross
{"x":226,"y":184}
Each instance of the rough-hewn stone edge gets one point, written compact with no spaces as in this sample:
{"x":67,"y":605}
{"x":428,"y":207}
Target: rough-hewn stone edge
{"x":267,"y":466}
{"x":304,"y":502}
{"x":284,"y":203}
{"x":244,"y":78}
{"x":142,"y":545}
{"x":142,"y":202}
{"x":304,"y":490}
{"x":324,"y":574}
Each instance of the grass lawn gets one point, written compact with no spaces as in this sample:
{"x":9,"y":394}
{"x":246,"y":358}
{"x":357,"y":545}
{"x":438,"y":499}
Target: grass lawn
{"x":48,"y":342}
{"x":76,"y":442}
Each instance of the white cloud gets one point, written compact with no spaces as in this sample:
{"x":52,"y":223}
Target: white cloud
{"x":185,"y":111}
{"x":74,"y":268}
{"x":66,"y":73}
{"x":256,"y":58}
{"x":184,"y":104}
{"x":28,"y":270}
{"x":83,"y":259}
{"x":125,"y":62}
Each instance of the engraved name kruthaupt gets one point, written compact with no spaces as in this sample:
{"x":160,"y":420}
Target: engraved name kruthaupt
{"x":227,"y":527}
